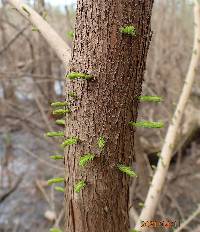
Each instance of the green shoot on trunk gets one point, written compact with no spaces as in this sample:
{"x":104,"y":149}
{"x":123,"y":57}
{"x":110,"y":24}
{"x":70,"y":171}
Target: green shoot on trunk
{"x":61,"y":112}
{"x":150,"y":99}
{"x":128,"y":30}
{"x":83,"y":161}
{"x":56,"y":157}
{"x":73,"y":94}
{"x":79,"y":186}
{"x":70,"y":141}
{"x":56,"y":180}
{"x":55,"y":134}
{"x":77,"y":75}
{"x":147,"y":124}
{"x":128,"y":170}
{"x":59,"y":189}
{"x":59,"y":104}
{"x":101,"y":142}
{"x":60,"y":122}
{"x":55,"y":230}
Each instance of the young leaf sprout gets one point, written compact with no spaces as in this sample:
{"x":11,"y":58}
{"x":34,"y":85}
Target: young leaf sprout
{"x":59,"y":104}
{"x":57,"y":157}
{"x":70,"y":141}
{"x":72,"y":94}
{"x":141,"y":204}
{"x":56,"y":180}
{"x":79,"y":186}
{"x":59,"y":189}
{"x":25,"y":10}
{"x":128,"y":170}
{"x":60,"y":122}
{"x":150,"y":99}
{"x":35,"y":29}
{"x":55,"y":134}
{"x":147,"y":124}
{"x":61,"y":111}
{"x":128,"y":30}
{"x":70,"y":34}
{"x":55,"y":230}
{"x":101,"y":142}
{"x":83,"y":161}
{"x":77,"y":75}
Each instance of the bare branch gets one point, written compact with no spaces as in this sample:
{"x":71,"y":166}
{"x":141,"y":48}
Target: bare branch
{"x":62,"y":50}
{"x":154,"y":192}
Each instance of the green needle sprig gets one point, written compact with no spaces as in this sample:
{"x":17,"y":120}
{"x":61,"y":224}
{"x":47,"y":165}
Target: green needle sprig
{"x":128,"y":30}
{"x":55,"y":230}
{"x":79,"y":186}
{"x":56,"y":180}
{"x":147,"y":124}
{"x":61,"y":111}
{"x":60,"y":122}
{"x":150,"y":99}
{"x":59,"y":189}
{"x":55,"y":134}
{"x":83,"y":161}
{"x":77,"y":75}
{"x":70,"y":141}
{"x":59,"y":104}
{"x":128,"y":170}
{"x":101,"y":142}
{"x":57,"y":157}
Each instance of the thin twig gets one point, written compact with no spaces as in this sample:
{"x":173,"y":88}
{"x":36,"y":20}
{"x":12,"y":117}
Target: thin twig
{"x":185,"y":223}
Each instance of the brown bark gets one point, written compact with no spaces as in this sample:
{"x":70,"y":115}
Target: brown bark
{"x":106,"y":104}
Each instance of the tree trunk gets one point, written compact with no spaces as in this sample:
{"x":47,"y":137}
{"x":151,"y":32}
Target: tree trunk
{"x":104,"y":107}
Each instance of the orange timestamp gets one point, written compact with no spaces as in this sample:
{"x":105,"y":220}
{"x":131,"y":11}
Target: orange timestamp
{"x":167,"y":224}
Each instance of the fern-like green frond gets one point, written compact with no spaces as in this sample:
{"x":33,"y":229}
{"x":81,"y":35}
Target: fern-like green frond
{"x":79,"y":186}
{"x":150,"y":99}
{"x":101,"y":142}
{"x":128,"y":170}
{"x":59,"y":189}
{"x":83,"y":161}
{"x":56,"y":180}
{"x":61,"y":111}
{"x":147,"y":124}
{"x":55,"y":134}
{"x":77,"y":75}
{"x":70,"y":141}
{"x":128,"y":30}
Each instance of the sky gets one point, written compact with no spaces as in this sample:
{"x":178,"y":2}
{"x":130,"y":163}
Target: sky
{"x":60,"y":2}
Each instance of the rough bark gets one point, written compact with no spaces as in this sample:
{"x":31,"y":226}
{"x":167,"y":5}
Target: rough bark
{"x":104,"y":107}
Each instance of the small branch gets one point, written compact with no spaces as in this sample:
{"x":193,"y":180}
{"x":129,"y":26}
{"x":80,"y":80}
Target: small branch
{"x":158,"y":181}
{"x":9,"y":43}
{"x":185,"y":223}
{"x":62,"y":50}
